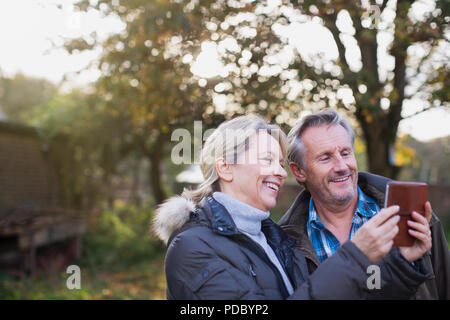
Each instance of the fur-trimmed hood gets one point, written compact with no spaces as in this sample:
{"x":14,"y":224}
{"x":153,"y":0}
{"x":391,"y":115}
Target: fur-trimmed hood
{"x":171,"y":216}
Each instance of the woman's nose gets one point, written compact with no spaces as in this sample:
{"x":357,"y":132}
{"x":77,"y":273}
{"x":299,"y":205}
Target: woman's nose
{"x":280,"y":171}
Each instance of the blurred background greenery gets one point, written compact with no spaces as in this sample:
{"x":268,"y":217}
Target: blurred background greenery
{"x":120,"y":260}
{"x":173,"y":62}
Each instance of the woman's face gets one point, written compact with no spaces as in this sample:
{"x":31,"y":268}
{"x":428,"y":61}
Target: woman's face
{"x":258,"y":173}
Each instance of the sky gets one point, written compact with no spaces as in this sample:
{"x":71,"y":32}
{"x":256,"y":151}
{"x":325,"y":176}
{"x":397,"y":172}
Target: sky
{"x":31,"y":29}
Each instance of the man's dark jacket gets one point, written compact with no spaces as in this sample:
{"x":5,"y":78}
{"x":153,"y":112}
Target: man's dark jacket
{"x":437,"y":286}
{"x":209,"y":258}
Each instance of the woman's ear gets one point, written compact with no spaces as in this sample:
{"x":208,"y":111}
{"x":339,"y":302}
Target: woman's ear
{"x":297,"y":172}
{"x":224,"y":170}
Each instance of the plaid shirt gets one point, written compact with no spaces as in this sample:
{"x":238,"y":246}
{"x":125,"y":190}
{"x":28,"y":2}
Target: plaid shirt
{"x":325,"y":243}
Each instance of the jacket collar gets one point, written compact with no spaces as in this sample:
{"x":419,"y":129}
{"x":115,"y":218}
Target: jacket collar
{"x":211,"y":214}
{"x":214,"y":215}
{"x":222,"y":223}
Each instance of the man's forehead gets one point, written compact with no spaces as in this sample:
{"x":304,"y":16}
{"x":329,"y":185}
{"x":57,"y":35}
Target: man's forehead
{"x":325,"y":137}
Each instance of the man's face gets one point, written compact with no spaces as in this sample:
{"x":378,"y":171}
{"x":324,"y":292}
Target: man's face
{"x":331,"y":173}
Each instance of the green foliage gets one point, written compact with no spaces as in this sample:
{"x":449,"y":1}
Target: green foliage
{"x":145,"y":86}
{"x":447,"y":235}
{"x":21,"y":95}
{"x":264,"y":83}
{"x":120,"y":260}
{"x":66,"y":114}
{"x":120,"y":237}
{"x":431,"y":161}
{"x":83,"y":144}
{"x":144,"y":67}
{"x":144,"y":281}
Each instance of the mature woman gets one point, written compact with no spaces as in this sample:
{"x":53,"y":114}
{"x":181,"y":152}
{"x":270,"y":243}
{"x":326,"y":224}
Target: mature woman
{"x":223,"y":245}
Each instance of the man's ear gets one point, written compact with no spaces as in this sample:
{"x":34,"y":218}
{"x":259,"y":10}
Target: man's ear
{"x":224,"y":170}
{"x":297,"y":172}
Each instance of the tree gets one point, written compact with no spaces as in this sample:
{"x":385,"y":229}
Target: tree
{"x":84,"y":145}
{"x":380,"y":98}
{"x":147,"y":81}
{"x":431,"y":162}
{"x":268,"y":75}
{"x":146,"y":84}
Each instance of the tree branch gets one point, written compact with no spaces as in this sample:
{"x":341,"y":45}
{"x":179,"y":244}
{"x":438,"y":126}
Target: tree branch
{"x":431,"y":106}
{"x":399,"y":52}
{"x":419,"y":66}
{"x":383,"y":6}
{"x":367,"y":42}
{"x":330,"y":23}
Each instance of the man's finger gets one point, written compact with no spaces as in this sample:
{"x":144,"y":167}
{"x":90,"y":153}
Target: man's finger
{"x":418,"y":235}
{"x":384,"y":215}
{"x":389,"y":225}
{"x":420,"y":227}
{"x":428,"y":211}
{"x":387,"y":247}
{"x":419,"y":218}
{"x":389,"y":231}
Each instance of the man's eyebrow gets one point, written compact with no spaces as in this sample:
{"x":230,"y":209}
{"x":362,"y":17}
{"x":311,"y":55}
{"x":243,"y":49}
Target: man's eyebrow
{"x":330,"y":152}
{"x":323,"y":153}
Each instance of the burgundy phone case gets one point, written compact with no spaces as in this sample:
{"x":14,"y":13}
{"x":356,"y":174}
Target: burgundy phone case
{"x":410,"y":196}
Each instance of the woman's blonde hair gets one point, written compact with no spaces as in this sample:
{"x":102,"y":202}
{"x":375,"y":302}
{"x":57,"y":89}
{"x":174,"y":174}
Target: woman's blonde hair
{"x":229,"y":141}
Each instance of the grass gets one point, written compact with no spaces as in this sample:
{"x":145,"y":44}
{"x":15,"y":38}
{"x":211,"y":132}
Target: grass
{"x":120,"y":260}
{"x":142,"y":281}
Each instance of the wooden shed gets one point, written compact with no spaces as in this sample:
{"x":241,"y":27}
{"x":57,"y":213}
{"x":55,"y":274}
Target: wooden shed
{"x":32,"y":215}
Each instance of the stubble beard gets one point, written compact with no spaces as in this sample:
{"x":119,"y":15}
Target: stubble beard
{"x":326,"y":194}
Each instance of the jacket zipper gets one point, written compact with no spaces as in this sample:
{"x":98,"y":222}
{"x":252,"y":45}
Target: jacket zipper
{"x":259,"y":251}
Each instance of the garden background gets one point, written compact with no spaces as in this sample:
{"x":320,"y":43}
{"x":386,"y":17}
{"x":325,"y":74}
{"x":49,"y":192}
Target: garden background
{"x":94,"y":144}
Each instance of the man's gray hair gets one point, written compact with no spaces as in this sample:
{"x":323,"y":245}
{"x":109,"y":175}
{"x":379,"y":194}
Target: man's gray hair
{"x":296,"y":149}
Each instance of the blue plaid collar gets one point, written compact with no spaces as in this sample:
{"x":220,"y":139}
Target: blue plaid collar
{"x":367,"y":207}
{"x":313,"y":219}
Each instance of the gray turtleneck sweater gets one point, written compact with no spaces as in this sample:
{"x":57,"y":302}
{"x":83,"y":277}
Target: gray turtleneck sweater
{"x":248,"y":221}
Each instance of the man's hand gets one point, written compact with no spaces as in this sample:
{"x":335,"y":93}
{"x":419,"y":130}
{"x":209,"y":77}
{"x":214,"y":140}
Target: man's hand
{"x":421,"y":231}
{"x":375,"y":237}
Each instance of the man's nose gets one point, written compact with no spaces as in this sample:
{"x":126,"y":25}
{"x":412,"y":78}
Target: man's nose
{"x":340,"y":164}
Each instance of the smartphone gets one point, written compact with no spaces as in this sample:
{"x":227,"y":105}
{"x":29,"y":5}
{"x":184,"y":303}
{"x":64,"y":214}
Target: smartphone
{"x":410,"y":196}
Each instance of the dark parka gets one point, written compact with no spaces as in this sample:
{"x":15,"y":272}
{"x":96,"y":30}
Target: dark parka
{"x":209,"y":258}
{"x":437,"y":260}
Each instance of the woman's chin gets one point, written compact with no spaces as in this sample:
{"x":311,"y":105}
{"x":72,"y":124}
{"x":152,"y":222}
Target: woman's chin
{"x":269,"y":204}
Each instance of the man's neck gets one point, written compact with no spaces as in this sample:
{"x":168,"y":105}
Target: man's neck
{"x":337,"y":218}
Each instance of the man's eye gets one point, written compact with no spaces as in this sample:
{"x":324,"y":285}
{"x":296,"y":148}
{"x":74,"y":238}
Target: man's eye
{"x":325,"y":158}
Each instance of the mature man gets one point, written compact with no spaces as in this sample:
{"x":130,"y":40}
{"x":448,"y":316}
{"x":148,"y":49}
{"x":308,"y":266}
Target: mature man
{"x":338,"y":200}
